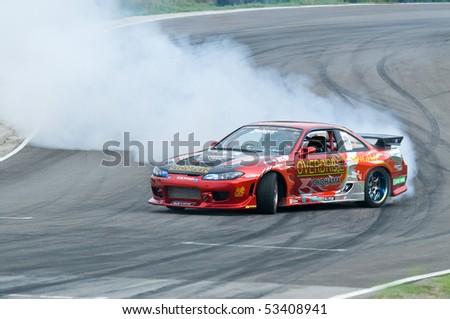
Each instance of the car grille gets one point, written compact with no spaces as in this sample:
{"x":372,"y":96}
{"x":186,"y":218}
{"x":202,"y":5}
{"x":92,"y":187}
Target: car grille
{"x":183,"y":192}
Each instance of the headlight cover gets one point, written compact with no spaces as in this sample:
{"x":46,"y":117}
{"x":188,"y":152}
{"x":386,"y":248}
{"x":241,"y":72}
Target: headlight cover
{"x":160,"y":172}
{"x":223,"y":176}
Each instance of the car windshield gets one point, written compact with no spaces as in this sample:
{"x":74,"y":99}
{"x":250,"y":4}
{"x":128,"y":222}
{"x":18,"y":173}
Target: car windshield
{"x":280,"y":140}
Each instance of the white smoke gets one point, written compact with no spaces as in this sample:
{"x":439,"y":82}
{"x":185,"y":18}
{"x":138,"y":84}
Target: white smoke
{"x":83,"y":87}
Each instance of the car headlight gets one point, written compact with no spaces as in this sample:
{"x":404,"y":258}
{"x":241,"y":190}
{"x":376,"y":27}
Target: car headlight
{"x":223,"y":176}
{"x":160,"y":172}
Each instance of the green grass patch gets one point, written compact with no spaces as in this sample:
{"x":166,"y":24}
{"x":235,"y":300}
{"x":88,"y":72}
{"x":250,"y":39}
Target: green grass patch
{"x":435,"y":288}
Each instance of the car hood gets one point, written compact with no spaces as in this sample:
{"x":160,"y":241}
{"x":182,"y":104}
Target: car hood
{"x":211,"y":161}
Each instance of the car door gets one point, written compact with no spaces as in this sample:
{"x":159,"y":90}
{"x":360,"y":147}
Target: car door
{"x":318,"y":165}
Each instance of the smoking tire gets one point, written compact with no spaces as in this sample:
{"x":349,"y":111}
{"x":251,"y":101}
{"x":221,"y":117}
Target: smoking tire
{"x":267,"y":194}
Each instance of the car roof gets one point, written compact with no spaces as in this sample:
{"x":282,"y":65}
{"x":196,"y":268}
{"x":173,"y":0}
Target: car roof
{"x":299,"y":124}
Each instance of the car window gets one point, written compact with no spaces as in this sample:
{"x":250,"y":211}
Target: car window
{"x":349,"y":143}
{"x":280,"y":140}
{"x":318,"y":139}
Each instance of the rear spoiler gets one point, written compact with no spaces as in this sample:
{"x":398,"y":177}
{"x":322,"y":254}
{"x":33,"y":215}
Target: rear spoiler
{"x":382,"y":141}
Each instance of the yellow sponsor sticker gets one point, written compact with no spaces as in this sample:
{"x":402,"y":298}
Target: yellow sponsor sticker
{"x":190,"y":168}
{"x":314,"y":167}
{"x":239,"y":192}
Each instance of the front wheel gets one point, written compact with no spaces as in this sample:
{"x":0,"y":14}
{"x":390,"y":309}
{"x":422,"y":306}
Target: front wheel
{"x":267,"y":194}
{"x":377,"y":187}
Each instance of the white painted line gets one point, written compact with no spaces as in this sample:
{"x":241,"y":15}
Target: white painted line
{"x":20,"y":147}
{"x":391,"y":284}
{"x":262,"y":247}
{"x":15,"y":218}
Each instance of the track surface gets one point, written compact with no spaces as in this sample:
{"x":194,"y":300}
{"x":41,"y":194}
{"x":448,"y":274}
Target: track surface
{"x":69,"y":227}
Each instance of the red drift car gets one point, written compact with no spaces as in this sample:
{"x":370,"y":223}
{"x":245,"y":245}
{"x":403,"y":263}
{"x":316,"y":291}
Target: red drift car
{"x":267,"y":165}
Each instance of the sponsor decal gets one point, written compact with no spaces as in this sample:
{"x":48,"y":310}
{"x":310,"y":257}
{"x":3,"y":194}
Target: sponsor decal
{"x":239,"y":192}
{"x":328,"y":166}
{"x":282,"y":159}
{"x":356,"y":174}
{"x":365,"y":158}
{"x":177,"y":202}
{"x":217,"y":158}
{"x":319,"y":182}
{"x":250,"y":206}
{"x":399,"y":180}
{"x":190,"y":168}
{"x":347,"y":142}
{"x":187,"y":178}
{"x":315,"y":199}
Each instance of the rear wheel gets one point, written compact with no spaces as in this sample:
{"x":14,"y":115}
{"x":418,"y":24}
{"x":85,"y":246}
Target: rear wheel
{"x":267,"y":194}
{"x":377,"y":187}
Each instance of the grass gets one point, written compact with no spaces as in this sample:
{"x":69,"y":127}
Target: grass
{"x":171,"y":6}
{"x":435,"y":288}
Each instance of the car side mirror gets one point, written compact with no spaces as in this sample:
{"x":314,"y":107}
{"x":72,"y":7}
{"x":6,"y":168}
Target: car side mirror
{"x":306,"y":150}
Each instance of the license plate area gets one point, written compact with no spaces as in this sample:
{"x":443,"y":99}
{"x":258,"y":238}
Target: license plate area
{"x":184,"y":193}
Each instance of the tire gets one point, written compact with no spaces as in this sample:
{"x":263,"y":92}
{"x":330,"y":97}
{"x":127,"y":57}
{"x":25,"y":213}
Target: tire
{"x":377,"y":187}
{"x":267,"y":194}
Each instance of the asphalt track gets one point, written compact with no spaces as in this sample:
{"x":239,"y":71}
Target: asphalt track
{"x":71,"y":228}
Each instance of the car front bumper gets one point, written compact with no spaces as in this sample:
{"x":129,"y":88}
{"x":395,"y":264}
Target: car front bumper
{"x":179,"y":190}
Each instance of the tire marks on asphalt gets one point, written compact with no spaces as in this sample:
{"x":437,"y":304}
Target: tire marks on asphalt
{"x":434,"y":134}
